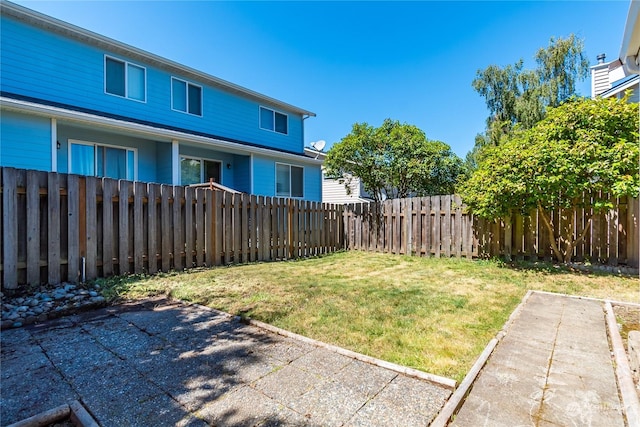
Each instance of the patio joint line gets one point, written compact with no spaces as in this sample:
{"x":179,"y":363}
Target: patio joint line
{"x":538,"y":414}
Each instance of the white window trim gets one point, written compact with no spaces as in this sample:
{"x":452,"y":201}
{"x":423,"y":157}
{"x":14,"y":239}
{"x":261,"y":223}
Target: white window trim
{"x":126,"y":79}
{"x":274,"y":120}
{"x":95,"y":154}
{"x":276,"y":180}
{"x":202,"y":159}
{"x":187,"y":83}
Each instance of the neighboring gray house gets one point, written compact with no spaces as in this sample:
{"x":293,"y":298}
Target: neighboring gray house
{"x":334,"y":191}
{"x":613,"y":79}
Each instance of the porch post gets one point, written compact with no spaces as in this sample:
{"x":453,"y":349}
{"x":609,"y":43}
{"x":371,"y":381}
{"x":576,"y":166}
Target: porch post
{"x":175,"y":162}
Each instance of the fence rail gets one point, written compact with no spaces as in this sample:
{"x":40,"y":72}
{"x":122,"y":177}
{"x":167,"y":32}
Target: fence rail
{"x":67,"y":227}
{"x":58,"y":227}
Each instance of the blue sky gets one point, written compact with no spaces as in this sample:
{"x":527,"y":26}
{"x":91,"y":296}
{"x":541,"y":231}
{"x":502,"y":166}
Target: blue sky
{"x":356,"y":61}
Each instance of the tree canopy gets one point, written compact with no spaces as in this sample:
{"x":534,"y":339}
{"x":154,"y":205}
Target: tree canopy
{"x":519,"y":97}
{"x":394,"y":160}
{"x":582,"y":146}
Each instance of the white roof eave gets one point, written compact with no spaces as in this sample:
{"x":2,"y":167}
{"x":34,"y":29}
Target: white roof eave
{"x":630,"y":49}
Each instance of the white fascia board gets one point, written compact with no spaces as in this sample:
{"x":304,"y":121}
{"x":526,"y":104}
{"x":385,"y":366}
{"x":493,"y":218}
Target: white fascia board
{"x":61,"y":27}
{"x":616,"y":90}
{"x":147,"y":131}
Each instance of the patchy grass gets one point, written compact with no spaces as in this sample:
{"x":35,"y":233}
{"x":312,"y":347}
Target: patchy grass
{"x":435,"y":315}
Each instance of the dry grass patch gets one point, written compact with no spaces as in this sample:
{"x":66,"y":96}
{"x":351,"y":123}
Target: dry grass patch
{"x":436,"y":315}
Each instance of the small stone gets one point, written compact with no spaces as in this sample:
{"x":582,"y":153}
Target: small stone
{"x":78,"y":298}
{"x":17,"y":324}
{"x":98,"y":299}
{"x":96,"y":286}
{"x":19,"y":300}
{"x":83,"y":292}
{"x":42,"y":317}
{"x":13,"y":316}
{"x":8,"y":307}
{"x":58,"y":296}
{"x":37,"y":310}
{"x":29,"y":313}
{"x":46,"y":299}
{"x":29,"y":320}
{"x":70,"y":295}
{"x":93,"y":294}
{"x":68,"y":287}
{"x":6,"y":324}
{"x":23,"y":308}
{"x":33,"y":302}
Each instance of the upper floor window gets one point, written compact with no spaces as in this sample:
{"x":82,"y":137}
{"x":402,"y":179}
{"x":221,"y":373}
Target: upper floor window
{"x":186,"y":97}
{"x":289,"y":180}
{"x":91,"y":159}
{"x":274,"y":121}
{"x":125,"y":79}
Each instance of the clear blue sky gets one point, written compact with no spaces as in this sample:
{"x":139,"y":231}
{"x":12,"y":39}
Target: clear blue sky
{"x":356,"y":61}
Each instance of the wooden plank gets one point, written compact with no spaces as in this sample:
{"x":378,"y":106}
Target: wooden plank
{"x":178,"y":228}
{"x":123,"y":223}
{"x":91,"y":236}
{"x":295,"y":225}
{"x":33,"y":228}
{"x":53,"y":229}
{"x":266,"y":229}
{"x":10,"y":228}
{"x":218,"y":227}
{"x":508,"y":237}
{"x":253,"y":228}
{"x":200,"y":195}
{"x":166,"y":229}
{"x":612,"y":231}
{"x":139,"y":193}
{"x":228,"y":226}
{"x":273,"y":213}
{"x":153,"y":190}
{"x":446,"y":230}
{"x":457,"y":226}
{"x":189,"y":228}
{"x":210,"y":229}
{"x":289,"y":217}
{"x":73,"y":229}
{"x":437,"y":225}
{"x":107,"y":227}
{"x":633,"y":231}
{"x":244,"y":227}
{"x":237,"y":244}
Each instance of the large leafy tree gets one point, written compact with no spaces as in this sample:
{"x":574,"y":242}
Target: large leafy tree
{"x":394,"y":160}
{"x":519,"y":97}
{"x":582,"y":146}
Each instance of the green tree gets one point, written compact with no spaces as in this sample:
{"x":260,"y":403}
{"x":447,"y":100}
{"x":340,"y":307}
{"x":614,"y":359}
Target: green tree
{"x":519,"y":97}
{"x":582,"y":146}
{"x":394,"y":160}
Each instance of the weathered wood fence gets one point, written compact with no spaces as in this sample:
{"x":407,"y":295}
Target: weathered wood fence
{"x":439,"y":226}
{"x":59,"y":227}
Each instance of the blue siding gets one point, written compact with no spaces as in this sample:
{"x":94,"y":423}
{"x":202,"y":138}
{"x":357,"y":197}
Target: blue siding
{"x":163,"y":163}
{"x":242,"y":173}
{"x":264,"y":182}
{"x":47,"y":66}
{"x":25,"y":141}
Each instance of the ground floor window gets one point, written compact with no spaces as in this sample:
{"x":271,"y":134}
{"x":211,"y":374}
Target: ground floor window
{"x":101,"y":160}
{"x":289,"y":180}
{"x":196,"y":171}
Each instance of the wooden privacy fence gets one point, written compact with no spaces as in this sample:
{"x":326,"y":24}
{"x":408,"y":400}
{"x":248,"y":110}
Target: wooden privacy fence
{"x":59,"y":227}
{"x":440,"y":226}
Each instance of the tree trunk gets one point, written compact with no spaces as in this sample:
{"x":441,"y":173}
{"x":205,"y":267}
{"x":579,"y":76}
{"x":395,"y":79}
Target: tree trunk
{"x":563,"y":256}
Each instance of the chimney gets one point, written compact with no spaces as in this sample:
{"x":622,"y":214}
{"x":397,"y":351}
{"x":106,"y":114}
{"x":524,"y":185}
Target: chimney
{"x":599,"y":76}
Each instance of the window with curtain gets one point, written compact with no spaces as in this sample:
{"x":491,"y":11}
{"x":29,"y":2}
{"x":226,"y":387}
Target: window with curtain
{"x":186,"y":97}
{"x":125,"y":79}
{"x":289,"y":180}
{"x":274,"y":121}
{"x":102,"y":161}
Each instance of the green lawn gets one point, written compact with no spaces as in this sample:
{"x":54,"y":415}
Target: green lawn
{"x":436,"y":315}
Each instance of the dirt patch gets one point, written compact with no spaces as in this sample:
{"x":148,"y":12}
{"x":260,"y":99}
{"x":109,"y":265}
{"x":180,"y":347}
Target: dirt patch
{"x":629,"y":319}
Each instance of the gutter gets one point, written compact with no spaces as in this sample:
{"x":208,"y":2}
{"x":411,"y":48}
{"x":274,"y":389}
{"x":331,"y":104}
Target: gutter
{"x":629,"y":51}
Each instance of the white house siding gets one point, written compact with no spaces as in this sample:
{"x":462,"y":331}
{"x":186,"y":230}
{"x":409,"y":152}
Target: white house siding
{"x":334,"y":191}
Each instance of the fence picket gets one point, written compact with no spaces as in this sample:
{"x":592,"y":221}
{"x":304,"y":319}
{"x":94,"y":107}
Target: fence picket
{"x":152,"y":233}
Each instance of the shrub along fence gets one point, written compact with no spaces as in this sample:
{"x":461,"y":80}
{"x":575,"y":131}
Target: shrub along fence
{"x":440,"y":226}
{"x":58,"y":227}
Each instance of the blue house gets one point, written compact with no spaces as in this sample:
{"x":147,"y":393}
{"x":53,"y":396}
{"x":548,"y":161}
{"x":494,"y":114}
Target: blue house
{"x":73,"y":101}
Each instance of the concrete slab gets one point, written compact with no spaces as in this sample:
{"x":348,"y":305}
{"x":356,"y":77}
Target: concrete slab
{"x":553,"y":368}
{"x":167,"y":363}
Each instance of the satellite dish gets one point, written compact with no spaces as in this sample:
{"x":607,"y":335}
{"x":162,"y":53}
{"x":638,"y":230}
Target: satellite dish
{"x":319,"y":145}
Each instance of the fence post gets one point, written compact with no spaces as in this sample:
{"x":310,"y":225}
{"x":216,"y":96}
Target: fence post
{"x":53,"y":227}
{"x":9,"y":228}
{"x":73,"y":232}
